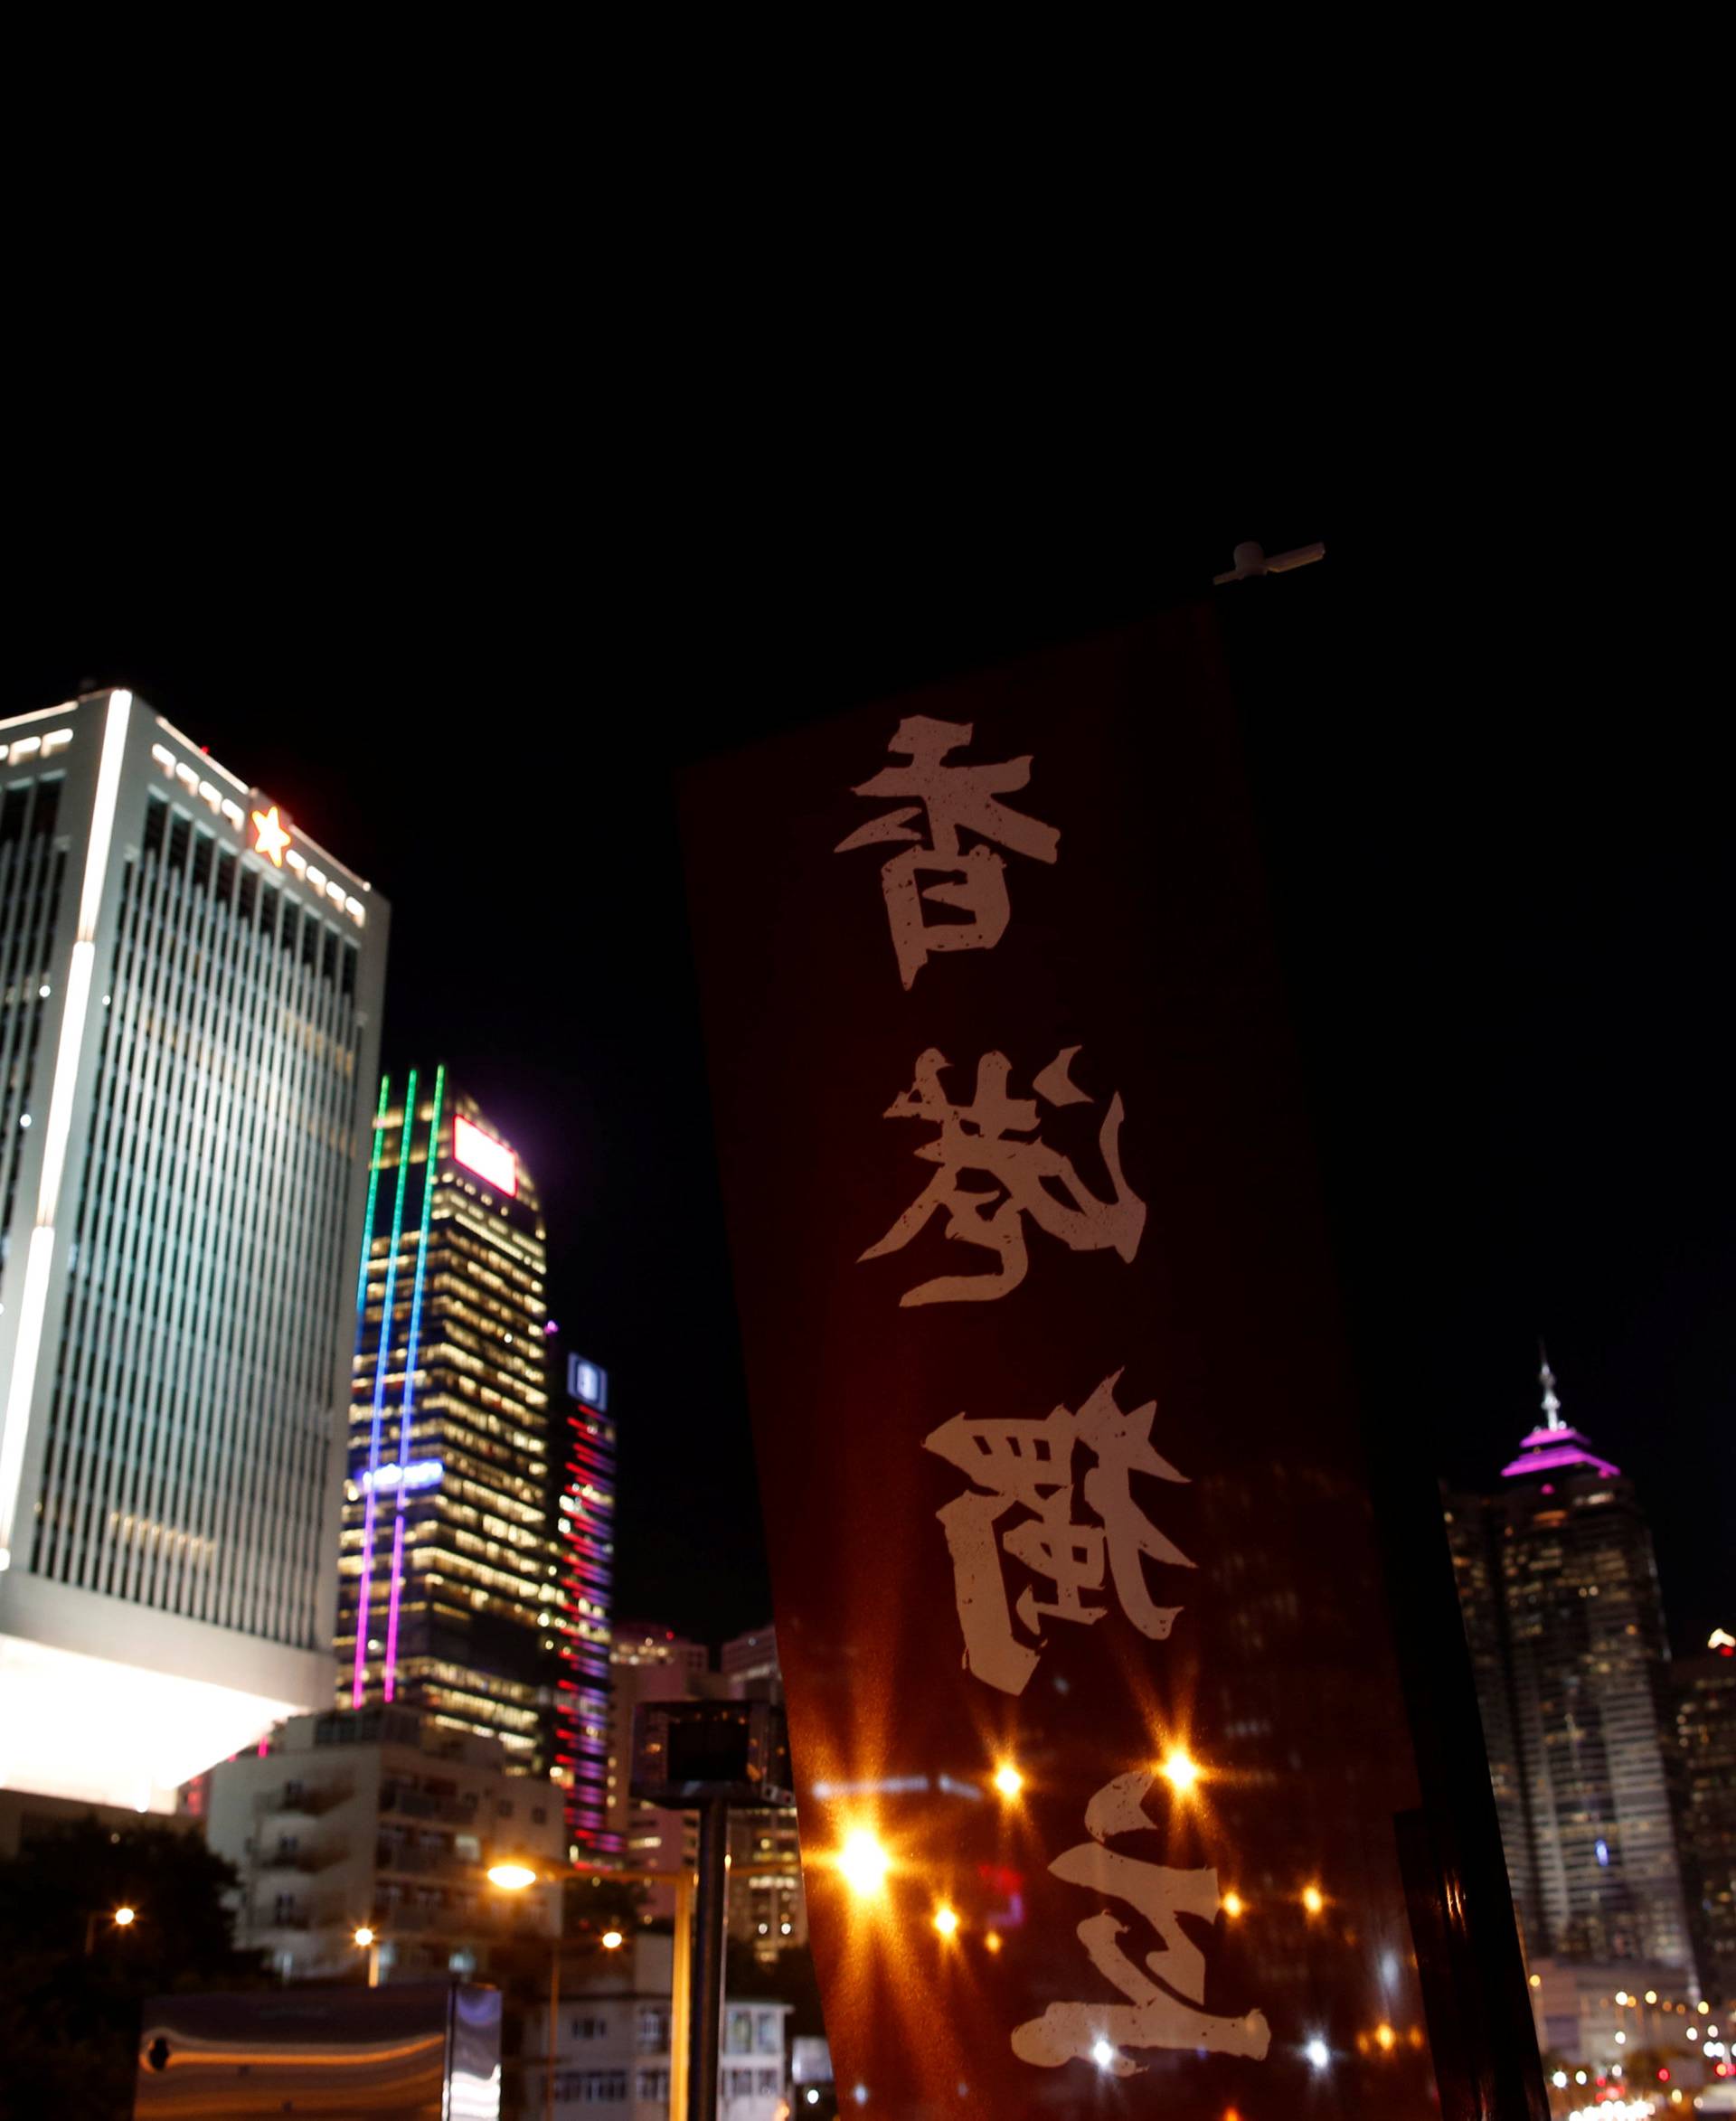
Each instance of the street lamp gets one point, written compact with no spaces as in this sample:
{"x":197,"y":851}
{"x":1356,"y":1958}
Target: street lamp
{"x":367,"y":1940}
{"x":121,"y":1918}
{"x":513,"y":1877}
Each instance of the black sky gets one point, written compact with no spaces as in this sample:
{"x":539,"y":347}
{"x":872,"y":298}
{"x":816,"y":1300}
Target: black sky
{"x":1493,"y":799}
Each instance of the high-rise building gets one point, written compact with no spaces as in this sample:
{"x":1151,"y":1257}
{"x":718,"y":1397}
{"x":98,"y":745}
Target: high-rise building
{"x":1558,"y":1588}
{"x":189,"y":1015}
{"x":587,"y":1532}
{"x":1705,"y":1694}
{"x":453,"y":1591}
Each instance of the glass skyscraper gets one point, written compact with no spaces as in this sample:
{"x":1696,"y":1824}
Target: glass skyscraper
{"x":454,"y":1594}
{"x":189,"y":1013}
{"x":1558,"y":1588}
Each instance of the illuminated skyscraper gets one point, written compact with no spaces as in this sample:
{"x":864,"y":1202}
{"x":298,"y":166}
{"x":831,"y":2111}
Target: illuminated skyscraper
{"x":1558,"y":1588}
{"x":189,"y":1015}
{"x":1705,"y":1695}
{"x":453,"y":1597}
{"x":587,"y":1532}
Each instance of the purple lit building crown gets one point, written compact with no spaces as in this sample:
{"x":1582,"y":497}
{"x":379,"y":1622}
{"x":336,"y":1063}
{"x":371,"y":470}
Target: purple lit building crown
{"x":1554,"y":1450}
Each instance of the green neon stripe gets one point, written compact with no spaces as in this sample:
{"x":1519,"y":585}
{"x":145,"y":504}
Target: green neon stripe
{"x":421,"y":1263}
{"x":392,"y":1267}
{"x":373,"y":1187}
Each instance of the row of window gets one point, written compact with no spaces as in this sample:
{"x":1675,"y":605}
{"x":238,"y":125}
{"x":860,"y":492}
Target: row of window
{"x":183,"y":848}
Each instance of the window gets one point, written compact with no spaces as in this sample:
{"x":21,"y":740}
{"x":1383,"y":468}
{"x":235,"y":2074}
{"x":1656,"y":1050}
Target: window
{"x":768,"y":2084}
{"x":653,"y":2084}
{"x":591,"y":2088}
{"x":739,"y":2039}
{"x":590,"y":2027}
{"x":653,"y":2034}
{"x":765,"y":2032}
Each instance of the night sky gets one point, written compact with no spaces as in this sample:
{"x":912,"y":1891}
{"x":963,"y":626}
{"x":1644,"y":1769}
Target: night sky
{"x":1492,"y":807}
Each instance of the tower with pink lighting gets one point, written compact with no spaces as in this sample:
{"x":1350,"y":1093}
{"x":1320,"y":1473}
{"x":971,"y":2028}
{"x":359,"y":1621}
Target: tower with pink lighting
{"x":1558,"y":1585}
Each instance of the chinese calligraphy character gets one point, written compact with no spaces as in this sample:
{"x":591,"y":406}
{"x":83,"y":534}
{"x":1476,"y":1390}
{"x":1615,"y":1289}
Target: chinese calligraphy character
{"x":1030,"y":1464}
{"x":1027,"y":1177}
{"x":957,"y":798}
{"x":1152,"y":2016}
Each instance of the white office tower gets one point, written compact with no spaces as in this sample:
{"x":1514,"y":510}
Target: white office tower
{"x":189,"y":1030}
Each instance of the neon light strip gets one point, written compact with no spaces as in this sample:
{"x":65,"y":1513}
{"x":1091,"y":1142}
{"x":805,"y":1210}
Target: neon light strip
{"x":373,"y":1187}
{"x":33,"y":1304}
{"x":409,"y":1388}
{"x":358,"y":1685}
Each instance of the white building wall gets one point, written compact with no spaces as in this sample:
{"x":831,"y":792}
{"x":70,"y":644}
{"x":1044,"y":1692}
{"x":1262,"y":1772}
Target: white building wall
{"x":184,"y":1125}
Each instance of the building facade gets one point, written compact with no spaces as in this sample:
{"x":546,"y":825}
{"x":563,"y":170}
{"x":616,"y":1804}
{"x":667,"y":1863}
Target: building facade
{"x":586,"y":1530}
{"x":1558,"y":1588}
{"x":378,"y":1820}
{"x":613,"y":2042}
{"x":189,"y":1021}
{"x":453,"y":1594}
{"x":767,"y":1909}
{"x":1703,"y":1691}
{"x":649,"y":1663}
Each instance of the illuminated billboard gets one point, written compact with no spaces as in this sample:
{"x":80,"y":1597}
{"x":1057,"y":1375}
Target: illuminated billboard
{"x":489,"y":1159}
{"x":587,"y":1384}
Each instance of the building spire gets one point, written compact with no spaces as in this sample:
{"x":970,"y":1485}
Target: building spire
{"x":1546,"y":1378}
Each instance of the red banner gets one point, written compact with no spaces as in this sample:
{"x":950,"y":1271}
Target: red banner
{"x":1092,"y":1699}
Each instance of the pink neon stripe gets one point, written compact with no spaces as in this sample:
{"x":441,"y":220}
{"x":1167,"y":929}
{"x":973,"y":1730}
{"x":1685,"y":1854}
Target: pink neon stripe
{"x":392,"y":1622}
{"x":359,"y":1687}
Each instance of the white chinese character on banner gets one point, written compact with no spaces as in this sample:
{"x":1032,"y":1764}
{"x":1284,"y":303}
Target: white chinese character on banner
{"x":957,"y":798}
{"x":1027,"y":1177}
{"x":1030,"y":1464}
{"x":1170,"y":2016}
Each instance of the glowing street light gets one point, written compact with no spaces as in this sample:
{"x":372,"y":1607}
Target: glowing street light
{"x":1008,"y":1780}
{"x":1318,"y":2052}
{"x":365,"y":1936}
{"x":863,"y":1863}
{"x":1102,"y":2054}
{"x":992,"y":1942}
{"x":946,"y":1920}
{"x":511,"y":1877}
{"x":1233,"y":1904}
{"x":1314,"y":1899}
{"x":612,"y":1940}
{"x":121,"y":1918}
{"x":1385,"y":2039}
{"x":1180,"y":1770}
